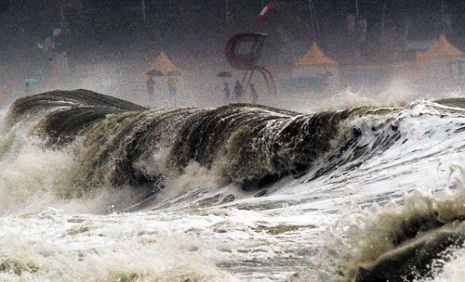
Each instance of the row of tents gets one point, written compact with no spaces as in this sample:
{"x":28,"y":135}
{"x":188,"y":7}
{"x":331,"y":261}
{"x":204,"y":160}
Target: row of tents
{"x":441,"y":60}
{"x":441,"y":50}
{"x":440,"y":65}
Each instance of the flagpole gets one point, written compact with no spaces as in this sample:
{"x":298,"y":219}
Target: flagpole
{"x":143,"y":10}
{"x":62,"y":14}
{"x":227,"y":10}
{"x":443,"y":26}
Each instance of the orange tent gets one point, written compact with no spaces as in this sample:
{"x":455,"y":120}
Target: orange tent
{"x":162,"y":66}
{"x":443,"y":62}
{"x":314,"y":57}
{"x":442,"y":49}
{"x":314,"y":64}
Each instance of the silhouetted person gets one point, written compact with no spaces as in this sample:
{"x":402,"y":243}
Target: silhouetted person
{"x":226,"y":91}
{"x":27,"y":90}
{"x":253,"y":93}
{"x":238,"y":91}
{"x":172,"y":87}
{"x":150,"y":83}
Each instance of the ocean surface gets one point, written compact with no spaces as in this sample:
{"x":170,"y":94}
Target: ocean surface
{"x":93,"y":188}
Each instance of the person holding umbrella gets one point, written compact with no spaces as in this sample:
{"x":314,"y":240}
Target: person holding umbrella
{"x":226,"y":90}
{"x":253,"y":93}
{"x":224,"y":75}
{"x":238,"y":91}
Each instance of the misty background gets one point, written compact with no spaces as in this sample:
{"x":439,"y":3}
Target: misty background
{"x":109,"y":45}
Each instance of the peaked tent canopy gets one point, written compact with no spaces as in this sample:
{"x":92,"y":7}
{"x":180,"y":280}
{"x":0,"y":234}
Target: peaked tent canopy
{"x":442,"y":49}
{"x":314,"y":57}
{"x":162,"y":66}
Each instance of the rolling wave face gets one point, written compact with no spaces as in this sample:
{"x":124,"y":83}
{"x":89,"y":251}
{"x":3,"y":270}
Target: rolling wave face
{"x":125,"y":144}
{"x":121,"y":143}
{"x":255,"y":143}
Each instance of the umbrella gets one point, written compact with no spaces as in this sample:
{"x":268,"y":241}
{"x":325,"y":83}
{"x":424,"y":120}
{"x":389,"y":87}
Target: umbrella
{"x":224,"y":74}
{"x":154,"y":73}
{"x":31,"y":81}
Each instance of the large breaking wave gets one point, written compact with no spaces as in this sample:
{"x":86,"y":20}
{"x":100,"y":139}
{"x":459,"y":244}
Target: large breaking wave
{"x":117,"y":143}
{"x":252,"y":144}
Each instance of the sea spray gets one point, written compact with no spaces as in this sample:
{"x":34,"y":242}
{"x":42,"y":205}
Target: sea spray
{"x":378,"y":235}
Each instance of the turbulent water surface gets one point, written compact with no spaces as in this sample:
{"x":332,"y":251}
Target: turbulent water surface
{"x":94,"y":188}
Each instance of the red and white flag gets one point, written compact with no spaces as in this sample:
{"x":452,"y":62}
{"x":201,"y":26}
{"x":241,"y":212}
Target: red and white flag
{"x":268,"y":7}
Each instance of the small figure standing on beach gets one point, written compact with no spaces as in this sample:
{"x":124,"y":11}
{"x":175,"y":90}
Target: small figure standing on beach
{"x":238,"y":91}
{"x":253,"y":93}
{"x":150,"y":83}
{"x":172,"y":87}
{"x":226,"y":91}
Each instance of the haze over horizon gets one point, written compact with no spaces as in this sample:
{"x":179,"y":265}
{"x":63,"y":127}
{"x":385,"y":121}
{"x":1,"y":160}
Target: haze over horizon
{"x":109,"y":44}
